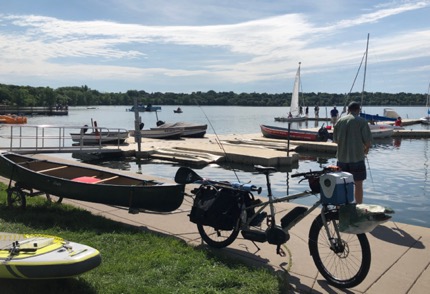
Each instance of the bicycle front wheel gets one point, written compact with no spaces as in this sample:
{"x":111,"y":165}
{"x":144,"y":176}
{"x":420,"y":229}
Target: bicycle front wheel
{"x":218,"y":238}
{"x":344,"y":262}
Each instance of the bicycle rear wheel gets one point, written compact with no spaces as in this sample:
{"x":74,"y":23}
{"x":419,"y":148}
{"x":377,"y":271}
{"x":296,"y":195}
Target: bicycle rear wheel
{"x":344,"y":262}
{"x":218,"y":238}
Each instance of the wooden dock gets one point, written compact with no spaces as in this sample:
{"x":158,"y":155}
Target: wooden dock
{"x":244,"y":149}
{"x":29,"y":111}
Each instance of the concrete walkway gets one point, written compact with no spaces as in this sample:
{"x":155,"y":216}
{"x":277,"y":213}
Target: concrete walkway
{"x":400,"y":255}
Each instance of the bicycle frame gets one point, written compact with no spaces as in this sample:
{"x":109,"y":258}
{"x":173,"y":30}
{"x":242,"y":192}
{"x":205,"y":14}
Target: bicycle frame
{"x":271,"y":203}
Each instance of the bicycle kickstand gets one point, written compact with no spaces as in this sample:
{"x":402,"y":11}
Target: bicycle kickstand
{"x":255,"y":244}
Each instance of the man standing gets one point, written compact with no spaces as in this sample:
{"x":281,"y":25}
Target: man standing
{"x":334,"y":113}
{"x":353,"y":137}
{"x":317,"y":111}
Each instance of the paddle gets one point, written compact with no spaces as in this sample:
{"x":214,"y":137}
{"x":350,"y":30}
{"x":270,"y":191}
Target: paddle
{"x":186,"y":175}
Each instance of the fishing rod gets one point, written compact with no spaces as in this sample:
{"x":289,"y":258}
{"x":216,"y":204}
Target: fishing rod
{"x":370,"y":172}
{"x":218,"y":141}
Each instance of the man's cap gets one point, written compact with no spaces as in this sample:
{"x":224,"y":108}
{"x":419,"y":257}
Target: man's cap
{"x":354,"y":106}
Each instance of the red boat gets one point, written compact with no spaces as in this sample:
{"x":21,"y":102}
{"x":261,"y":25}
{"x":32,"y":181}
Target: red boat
{"x":294,"y":134}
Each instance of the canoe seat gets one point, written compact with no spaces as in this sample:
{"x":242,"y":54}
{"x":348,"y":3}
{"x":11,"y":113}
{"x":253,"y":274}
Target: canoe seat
{"x":51,"y":169}
{"x":105,"y":180}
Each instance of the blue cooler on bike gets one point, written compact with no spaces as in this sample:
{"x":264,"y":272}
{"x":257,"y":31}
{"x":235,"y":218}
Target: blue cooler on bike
{"x":337,"y":188}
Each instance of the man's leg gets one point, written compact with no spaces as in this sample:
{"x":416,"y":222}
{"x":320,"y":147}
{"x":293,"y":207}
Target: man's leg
{"x":358,"y":192}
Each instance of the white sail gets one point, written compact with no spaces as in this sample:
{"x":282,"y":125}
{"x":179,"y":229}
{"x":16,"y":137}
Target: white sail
{"x":294,"y":108}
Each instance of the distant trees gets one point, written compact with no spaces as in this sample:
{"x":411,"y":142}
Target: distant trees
{"x":84,"y":96}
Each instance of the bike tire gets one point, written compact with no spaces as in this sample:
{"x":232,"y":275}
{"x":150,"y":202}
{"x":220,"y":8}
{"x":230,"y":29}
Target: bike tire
{"x":350,"y":265}
{"x":218,"y":238}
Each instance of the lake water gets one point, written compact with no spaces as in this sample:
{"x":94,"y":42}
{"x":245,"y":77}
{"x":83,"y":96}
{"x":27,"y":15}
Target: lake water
{"x":398,"y":170}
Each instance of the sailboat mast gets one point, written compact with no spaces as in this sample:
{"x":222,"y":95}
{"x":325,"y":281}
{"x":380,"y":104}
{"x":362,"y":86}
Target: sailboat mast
{"x":365,"y":69}
{"x":428,"y":101}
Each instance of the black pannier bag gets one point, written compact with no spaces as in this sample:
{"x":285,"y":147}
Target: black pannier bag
{"x":216,"y":207}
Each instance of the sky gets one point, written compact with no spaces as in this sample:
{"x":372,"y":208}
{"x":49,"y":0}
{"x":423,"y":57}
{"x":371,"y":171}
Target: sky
{"x":243,"y":46}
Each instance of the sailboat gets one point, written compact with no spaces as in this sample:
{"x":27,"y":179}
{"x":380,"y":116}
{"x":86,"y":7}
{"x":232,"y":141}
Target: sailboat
{"x":377,"y":130}
{"x":426,"y":119}
{"x":294,"y":114}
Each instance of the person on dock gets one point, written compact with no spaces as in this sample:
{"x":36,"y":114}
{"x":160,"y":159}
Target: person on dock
{"x":317,"y":111}
{"x":307,"y":111}
{"x":398,"y":122}
{"x":353,"y":137}
{"x":334,"y":115}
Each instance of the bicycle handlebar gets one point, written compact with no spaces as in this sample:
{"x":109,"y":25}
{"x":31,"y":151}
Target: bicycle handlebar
{"x":308,"y":174}
{"x":316,"y":173}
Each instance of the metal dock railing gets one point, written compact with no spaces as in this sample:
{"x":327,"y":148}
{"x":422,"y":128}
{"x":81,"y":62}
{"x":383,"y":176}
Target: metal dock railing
{"x":58,"y":139}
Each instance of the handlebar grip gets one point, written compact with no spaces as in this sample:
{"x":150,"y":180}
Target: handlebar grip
{"x":300,"y":175}
{"x":246,"y":187}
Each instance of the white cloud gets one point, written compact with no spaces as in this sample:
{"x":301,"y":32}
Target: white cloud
{"x":246,"y":52}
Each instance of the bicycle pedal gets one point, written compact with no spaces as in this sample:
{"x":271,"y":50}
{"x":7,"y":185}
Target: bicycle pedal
{"x":256,"y":221}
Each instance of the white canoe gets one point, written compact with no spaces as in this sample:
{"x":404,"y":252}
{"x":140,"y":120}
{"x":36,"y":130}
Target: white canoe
{"x":31,"y":256}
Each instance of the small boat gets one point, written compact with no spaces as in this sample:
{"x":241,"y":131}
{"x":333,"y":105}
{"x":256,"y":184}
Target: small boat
{"x":178,"y":110}
{"x":160,"y":133}
{"x":295,"y":134}
{"x":290,"y":119}
{"x":143,"y":108}
{"x":105,"y":137}
{"x":100,"y":135}
{"x":294,"y":115}
{"x":27,"y":256}
{"x":191,"y":130}
{"x":13,"y":119}
{"x":86,"y":183}
{"x":381,"y":130}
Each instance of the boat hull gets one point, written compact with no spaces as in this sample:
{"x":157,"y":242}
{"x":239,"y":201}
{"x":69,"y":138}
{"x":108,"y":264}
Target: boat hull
{"x":156,"y":133}
{"x":100,"y":138}
{"x":292,"y":134}
{"x":190,"y":130}
{"x":13,"y":119}
{"x":381,"y":131}
{"x":375,"y":118}
{"x":48,"y":257}
{"x":90,"y":184}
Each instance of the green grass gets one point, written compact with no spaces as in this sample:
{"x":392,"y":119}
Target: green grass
{"x":133,"y":261}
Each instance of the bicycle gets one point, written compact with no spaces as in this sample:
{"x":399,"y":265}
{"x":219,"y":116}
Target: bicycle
{"x":342,"y":259}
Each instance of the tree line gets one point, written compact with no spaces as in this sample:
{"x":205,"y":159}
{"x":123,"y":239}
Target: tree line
{"x":26,"y":96}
